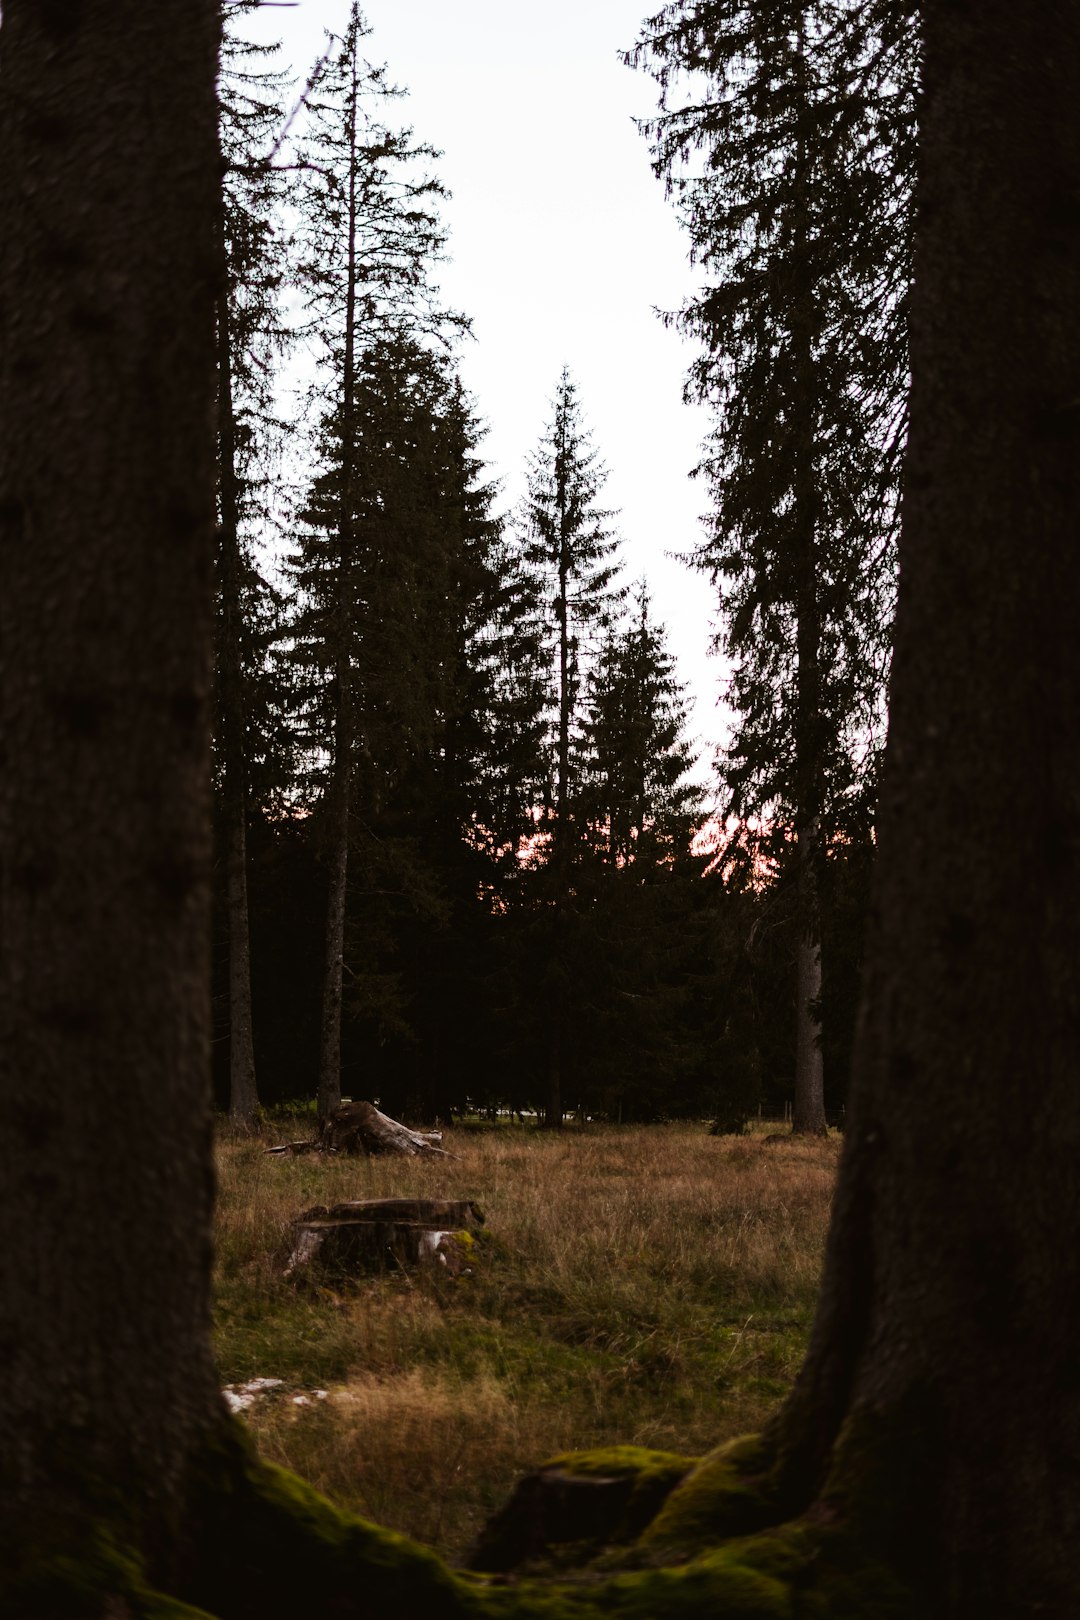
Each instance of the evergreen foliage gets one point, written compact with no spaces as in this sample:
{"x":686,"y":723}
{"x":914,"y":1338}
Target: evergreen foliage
{"x":641,"y":806}
{"x":790,"y":159}
{"x":568,"y":554}
{"x":369,"y":230}
{"x":463,"y":742}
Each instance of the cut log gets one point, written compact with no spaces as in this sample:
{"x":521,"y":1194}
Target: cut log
{"x":359,"y":1127}
{"x":377,"y":1234}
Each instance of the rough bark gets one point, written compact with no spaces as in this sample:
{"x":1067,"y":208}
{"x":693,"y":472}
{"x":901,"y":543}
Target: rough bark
{"x":243,"y":1093}
{"x":108,"y":270}
{"x":945,"y":1344}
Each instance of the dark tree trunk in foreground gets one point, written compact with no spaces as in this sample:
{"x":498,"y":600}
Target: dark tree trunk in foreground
{"x":108,"y":164}
{"x":946,"y":1342}
{"x":243,"y":1094}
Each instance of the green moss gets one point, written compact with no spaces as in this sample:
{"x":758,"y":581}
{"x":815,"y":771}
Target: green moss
{"x":619,"y":1461}
{"x":83,"y":1578}
{"x":270,"y":1545}
{"x":266,"y":1544}
{"x":727,"y":1494}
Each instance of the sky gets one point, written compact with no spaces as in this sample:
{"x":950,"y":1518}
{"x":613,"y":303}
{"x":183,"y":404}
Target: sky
{"x":562,"y":247}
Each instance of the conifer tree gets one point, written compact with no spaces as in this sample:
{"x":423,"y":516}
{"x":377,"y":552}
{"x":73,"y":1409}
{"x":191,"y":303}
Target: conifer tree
{"x":639,"y":799}
{"x":568,"y":558}
{"x":798,"y":214}
{"x":418,"y":591}
{"x":568,"y":552}
{"x":368,"y":236}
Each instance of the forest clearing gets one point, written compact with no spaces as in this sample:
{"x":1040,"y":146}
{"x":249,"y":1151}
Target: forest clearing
{"x":330,"y":766}
{"x":649,"y":1285}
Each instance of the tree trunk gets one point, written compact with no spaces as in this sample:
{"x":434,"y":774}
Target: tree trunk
{"x":808,"y":1117}
{"x":243,"y":1095}
{"x":340,"y":792}
{"x":553,"y":1099}
{"x":330,"y":1052}
{"x":944,"y":1351}
{"x":108,"y":276}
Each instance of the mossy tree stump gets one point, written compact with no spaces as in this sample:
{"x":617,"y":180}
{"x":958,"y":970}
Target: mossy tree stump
{"x":377,"y":1234}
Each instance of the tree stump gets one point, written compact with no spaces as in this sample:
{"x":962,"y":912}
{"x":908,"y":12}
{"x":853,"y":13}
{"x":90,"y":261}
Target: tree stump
{"x":358,"y":1127}
{"x":377,"y":1234}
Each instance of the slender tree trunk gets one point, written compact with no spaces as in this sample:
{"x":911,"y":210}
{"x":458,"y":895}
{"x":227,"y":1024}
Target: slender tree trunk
{"x":808,"y":1117}
{"x":562,"y":795}
{"x":553,"y":1097}
{"x":333,"y":974}
{"x":553,"y":1106}
{"x":108,"y":276}
{"x":344,"y":742}
{"x":243,"y":1095}
{"x":940,"y":1388}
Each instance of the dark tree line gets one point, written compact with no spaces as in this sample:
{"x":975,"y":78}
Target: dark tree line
{"x":784,"y":137}
{"x":477,"y":798}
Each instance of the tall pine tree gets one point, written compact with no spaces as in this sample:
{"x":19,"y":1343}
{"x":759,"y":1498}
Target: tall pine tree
{"x":790,"y":162}
{"x":569,"y":563}
{"x":368,"y":236}
{"x":426,"y":744}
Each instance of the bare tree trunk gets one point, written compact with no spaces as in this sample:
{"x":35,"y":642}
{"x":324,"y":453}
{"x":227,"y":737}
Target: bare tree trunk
{"x":333,"y":973}
{"x":553,"y":1104}
{"x":340,"y":790}
{"x":808,"y":1114}
{"x":108,"y":277}
{"x":553,"y":1094}
{"x":243,"y":1094}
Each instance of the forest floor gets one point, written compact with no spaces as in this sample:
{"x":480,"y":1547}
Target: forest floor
{"x":646,"y":1285}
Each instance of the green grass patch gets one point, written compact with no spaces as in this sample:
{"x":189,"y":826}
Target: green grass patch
{"x":650,"y":1287}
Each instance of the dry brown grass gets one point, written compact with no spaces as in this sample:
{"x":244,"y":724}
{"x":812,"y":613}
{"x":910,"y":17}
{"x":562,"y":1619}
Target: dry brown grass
{"x":650,"y":1285}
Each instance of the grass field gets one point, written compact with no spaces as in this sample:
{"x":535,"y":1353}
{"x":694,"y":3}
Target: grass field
{"x":649,"y":1285}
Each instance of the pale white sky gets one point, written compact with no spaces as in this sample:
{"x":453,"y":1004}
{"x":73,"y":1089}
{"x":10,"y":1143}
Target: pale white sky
{"x":562,"y":246}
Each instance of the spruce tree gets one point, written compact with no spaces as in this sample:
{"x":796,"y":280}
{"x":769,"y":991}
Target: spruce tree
{"x":798,"y":213}
{"x":568,"y":557}
{"x":424,"y":765}
{"x":568,"y":551}
{"x":639,"y":799}
{"x":368,"y":236}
